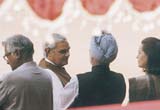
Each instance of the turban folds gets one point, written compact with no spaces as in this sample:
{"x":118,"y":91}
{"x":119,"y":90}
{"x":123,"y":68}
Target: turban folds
{"x":104,"y":48}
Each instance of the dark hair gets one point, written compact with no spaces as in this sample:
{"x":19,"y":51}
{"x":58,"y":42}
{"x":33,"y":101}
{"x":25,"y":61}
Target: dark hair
{"x":151,"y":47}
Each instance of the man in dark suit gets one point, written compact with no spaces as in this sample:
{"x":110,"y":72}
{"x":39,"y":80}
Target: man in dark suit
{"x":101,"y":85}
{"x":27,"y":87}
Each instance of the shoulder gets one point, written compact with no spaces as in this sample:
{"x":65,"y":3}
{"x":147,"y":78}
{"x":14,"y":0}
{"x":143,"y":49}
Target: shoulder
{"x":5,"y":86}
{"x":117,"y":79}
{"x":140,"y":81}
{"x":5,"y":80}
{"x":116,"y":76}
{"x":85,"y":79}
{"x":139,"y":88}
{"x":83,"y":76}
{"x":5,"y":76}
{"x":11,"y":77}
{"x":50,"y":73}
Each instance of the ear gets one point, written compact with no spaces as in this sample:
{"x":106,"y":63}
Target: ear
{"x":47,"y":50}
{"x":17,"y":54}
{"x":94,"y":61}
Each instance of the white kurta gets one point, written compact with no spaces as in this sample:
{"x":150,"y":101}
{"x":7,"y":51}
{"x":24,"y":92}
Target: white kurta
{"x":63,"y":96}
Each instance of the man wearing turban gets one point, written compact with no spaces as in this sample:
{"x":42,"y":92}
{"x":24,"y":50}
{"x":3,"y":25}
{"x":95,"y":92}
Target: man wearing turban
{"x":101,"y":85}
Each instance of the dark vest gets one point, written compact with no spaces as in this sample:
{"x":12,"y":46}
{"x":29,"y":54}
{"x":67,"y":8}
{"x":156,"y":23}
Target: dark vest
{"x":59,"y":71}
{"x":100,"y":86}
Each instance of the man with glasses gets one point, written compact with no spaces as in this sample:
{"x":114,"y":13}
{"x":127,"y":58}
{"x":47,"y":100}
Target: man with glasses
{"x":56,"y":55}
{"x":27,"y":87}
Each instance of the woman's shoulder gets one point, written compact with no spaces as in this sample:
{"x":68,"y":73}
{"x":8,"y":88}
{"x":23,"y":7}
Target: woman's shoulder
{"x":139,"y":88}
{"x":140,"y":80}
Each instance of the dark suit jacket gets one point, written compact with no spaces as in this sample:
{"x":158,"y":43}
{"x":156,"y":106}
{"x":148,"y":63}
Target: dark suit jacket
{"x":100,"y":86}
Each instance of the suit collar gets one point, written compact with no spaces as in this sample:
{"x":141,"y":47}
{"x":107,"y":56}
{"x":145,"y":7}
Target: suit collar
{"x":100,"y":68}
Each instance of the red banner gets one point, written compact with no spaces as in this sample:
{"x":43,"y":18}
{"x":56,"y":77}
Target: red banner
{"x":97,"y":7}
{"x":145,"y":5}
{"x":47,"y":9}
{"x":1,"y":1}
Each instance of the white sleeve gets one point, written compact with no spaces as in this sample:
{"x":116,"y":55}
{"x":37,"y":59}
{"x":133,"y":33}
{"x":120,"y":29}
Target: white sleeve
{"x":70,"y":92}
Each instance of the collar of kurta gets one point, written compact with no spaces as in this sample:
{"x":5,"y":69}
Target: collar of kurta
{"x":47,"y":60}
{"x":29,"y":64}
{"x":101,"y":68}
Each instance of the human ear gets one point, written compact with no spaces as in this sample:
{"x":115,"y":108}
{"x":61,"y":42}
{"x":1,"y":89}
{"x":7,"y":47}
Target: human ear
{"x":94,"y":61}
{"x":17,"y":54}
{"x":47,"y":50}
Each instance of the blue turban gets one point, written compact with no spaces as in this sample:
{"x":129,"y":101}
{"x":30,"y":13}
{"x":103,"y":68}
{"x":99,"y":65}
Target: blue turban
{"x":104,"y":48}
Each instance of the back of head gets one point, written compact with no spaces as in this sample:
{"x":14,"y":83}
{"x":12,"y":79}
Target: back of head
{"x":51,"y":40}
{"x":21,"y":43}
{"x":151,"y":47}
{"x":104,"y":48}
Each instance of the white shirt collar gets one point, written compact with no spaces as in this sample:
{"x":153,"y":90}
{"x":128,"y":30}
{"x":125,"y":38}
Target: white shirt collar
{"x":49,"y":61}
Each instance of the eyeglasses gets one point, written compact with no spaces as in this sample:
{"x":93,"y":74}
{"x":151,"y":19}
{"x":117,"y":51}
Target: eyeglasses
{"x":6,"y":55}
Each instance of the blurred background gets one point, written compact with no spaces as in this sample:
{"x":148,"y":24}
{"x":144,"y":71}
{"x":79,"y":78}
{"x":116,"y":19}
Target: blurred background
{"x":128,"y":20}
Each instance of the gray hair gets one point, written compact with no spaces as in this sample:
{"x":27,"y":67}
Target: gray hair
{"x":19,"y":42}
{"x":104,"y":48}
{"x":51,"y":40}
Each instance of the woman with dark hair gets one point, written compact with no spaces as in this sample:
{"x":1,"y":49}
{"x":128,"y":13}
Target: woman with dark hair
{"x":147,"y":87}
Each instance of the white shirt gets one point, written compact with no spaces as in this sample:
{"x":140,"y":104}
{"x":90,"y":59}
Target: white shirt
{"x":63,"y":96}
